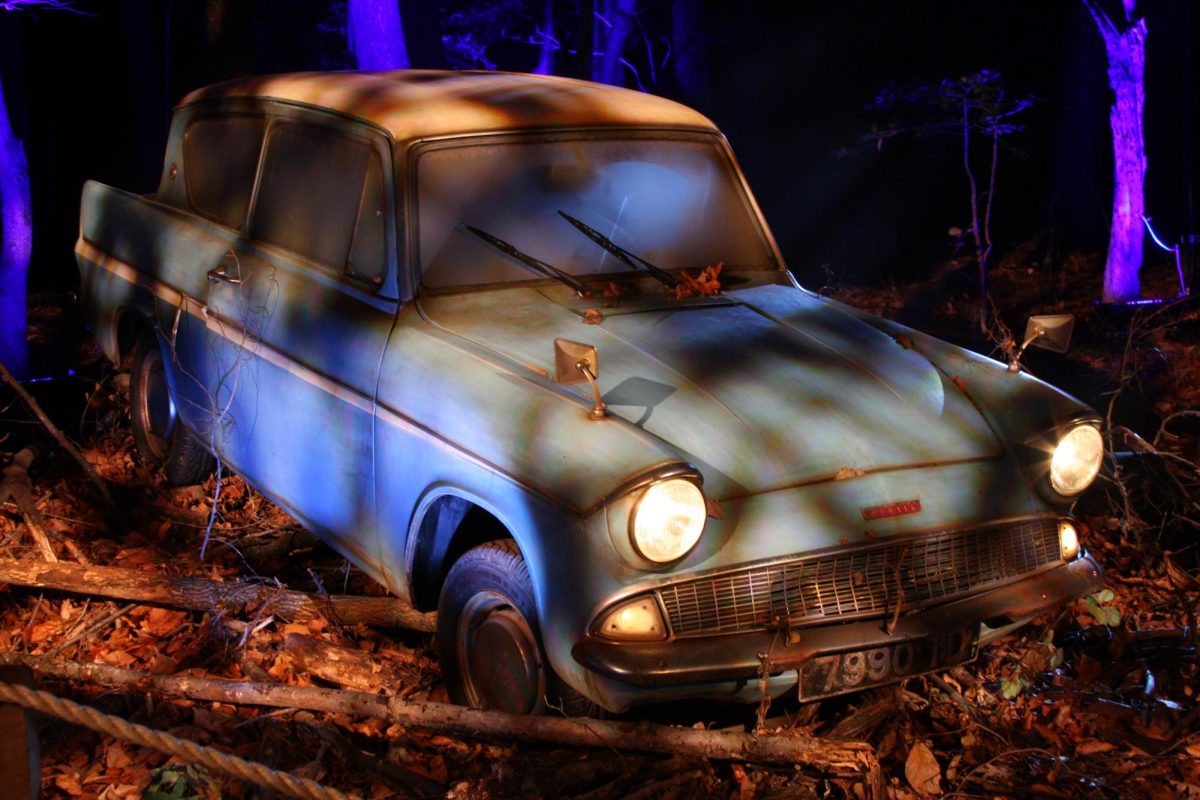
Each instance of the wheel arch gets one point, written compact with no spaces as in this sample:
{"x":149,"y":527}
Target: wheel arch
{"x":448,"y":523}
{"x":130,"y":322}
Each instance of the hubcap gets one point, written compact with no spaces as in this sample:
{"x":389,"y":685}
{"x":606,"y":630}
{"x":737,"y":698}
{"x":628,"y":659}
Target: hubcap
{"x":157,"y":409}
{"x":499,"y":656}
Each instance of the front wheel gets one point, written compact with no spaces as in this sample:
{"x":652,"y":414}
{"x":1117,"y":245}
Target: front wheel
{"x":160,"y":438}
{"x":488,"y":639}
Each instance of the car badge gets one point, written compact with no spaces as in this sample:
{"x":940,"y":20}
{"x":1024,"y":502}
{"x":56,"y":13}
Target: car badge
{"x":892,"y":509}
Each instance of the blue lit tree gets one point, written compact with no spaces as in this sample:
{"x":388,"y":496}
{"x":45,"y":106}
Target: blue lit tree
{"x":1125,"y":44}
{"x":16,"y":225}
{"x":376,"y":34}
{"x":16,"y":236}
{"x":617,"y":18}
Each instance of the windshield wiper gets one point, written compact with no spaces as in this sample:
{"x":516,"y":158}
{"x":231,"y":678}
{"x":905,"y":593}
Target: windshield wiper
{"x":534,"y":264}
{"x":631,"y":260}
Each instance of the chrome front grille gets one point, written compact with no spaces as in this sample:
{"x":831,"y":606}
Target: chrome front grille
{"x":860,"y":582}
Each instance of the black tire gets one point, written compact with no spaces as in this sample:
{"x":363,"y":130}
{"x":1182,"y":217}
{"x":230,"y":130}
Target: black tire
{"x":488,"y":638}
{"x":160,"y":438}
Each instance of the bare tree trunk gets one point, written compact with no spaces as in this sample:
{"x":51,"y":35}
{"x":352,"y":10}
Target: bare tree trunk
{"x":1126,"y":49}
{"x":619,"y":15}
{"x":202,"y":594}
{"x":845,"y":759}
{"x":545,"y":65}
{"x":16,"y":244}
{"x":976,"y":233}
{"x":688,"y":47}
{"x":585,"y":47}
{"x":376,"y":34}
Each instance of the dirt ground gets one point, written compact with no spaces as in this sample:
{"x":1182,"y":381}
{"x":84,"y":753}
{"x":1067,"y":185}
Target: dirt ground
{"x":1099,"y":700}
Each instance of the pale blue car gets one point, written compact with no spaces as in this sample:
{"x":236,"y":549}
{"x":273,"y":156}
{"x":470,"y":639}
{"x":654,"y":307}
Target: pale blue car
{"x":524,"y":350}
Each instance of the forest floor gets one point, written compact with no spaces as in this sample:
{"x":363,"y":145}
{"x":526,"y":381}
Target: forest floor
{"x":1099,"y":700}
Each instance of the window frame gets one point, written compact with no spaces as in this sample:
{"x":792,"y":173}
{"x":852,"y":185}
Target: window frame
{"x":208,"y":115}
{"x":282,"y":114}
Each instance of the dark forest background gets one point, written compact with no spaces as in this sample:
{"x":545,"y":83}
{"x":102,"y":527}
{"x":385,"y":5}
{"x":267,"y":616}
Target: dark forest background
{"x":790,"y":84}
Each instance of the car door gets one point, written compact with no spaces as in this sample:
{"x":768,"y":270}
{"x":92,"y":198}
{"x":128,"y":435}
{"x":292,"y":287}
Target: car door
{"x":296,"y":324}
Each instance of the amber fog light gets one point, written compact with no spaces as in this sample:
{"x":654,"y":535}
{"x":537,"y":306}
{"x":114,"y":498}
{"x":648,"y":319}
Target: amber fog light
{"x":638,"y":618}
{"x":1068,"y":540}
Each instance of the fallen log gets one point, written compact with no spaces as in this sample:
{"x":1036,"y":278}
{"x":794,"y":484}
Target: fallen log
{"x":844,"y":759}
{"x":347,"y":666}
{"x":203,"y":594}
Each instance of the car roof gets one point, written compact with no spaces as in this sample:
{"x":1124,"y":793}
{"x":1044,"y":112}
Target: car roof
{"x":416,"y":104}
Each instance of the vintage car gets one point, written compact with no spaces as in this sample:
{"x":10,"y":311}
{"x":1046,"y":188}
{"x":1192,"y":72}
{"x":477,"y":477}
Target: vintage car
{"x":524,"y":350}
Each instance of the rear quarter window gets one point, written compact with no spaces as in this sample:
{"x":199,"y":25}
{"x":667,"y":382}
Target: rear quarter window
{"x":220,"y":158}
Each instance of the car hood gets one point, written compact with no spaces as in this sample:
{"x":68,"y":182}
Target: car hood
{"x":763,"y":388}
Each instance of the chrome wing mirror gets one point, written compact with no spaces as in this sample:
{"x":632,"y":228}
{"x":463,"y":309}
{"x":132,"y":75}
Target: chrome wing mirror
{"x":1049,"y":332}
{"x":576,"y":362}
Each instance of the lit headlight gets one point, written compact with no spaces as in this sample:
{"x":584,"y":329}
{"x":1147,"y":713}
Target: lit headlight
{"x":668,"y":520}
{"x":1076,"y":460}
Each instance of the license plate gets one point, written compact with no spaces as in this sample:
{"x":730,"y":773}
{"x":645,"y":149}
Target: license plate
{"x":824,"y":676}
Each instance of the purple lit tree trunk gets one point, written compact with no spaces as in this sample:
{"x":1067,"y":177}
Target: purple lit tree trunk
{"x":616,"y":23}
{"x":16,"y":237}
{"x":545,"y":36}
{"x":376,"y":35}
{"x":1125,"y":44}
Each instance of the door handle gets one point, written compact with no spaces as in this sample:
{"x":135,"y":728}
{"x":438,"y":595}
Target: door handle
{"x":218,"y":273}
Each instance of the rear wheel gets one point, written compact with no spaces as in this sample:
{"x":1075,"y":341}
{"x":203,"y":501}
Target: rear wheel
{"x":160,"y":438}
{"x":488,"y":638}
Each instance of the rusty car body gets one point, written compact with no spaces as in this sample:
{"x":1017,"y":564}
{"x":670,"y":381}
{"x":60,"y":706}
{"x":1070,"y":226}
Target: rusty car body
{"x":438,"y":317}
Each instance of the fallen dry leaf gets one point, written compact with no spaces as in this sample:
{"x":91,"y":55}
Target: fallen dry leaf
{"x":116,"y":756}
{"x":706,"y":283}
{"x":1093,"y":746}
{"x":922,"y":770}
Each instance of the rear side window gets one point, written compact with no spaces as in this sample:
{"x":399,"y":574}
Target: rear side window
{"x":220,"y":157}
{"x":309,"y":195}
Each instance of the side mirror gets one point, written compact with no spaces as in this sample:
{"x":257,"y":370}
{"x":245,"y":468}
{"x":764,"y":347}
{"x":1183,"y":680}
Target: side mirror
{"x":576,"y":362}
{"x":1047,"y":331}
{"x":1050,"y":332}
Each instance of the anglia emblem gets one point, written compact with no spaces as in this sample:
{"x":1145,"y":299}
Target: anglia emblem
{"x":892,"y":509}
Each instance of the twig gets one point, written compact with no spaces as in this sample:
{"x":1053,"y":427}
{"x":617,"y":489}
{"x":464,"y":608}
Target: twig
{"x":62,"y":440}
{"x":17,"y":485}
{"x":93,"y":628}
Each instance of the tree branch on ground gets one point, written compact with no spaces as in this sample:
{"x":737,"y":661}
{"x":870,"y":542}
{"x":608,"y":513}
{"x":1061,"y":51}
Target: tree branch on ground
{"x":202,"y":594}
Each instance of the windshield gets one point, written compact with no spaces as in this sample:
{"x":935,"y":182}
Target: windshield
{"x":676,"y":202}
